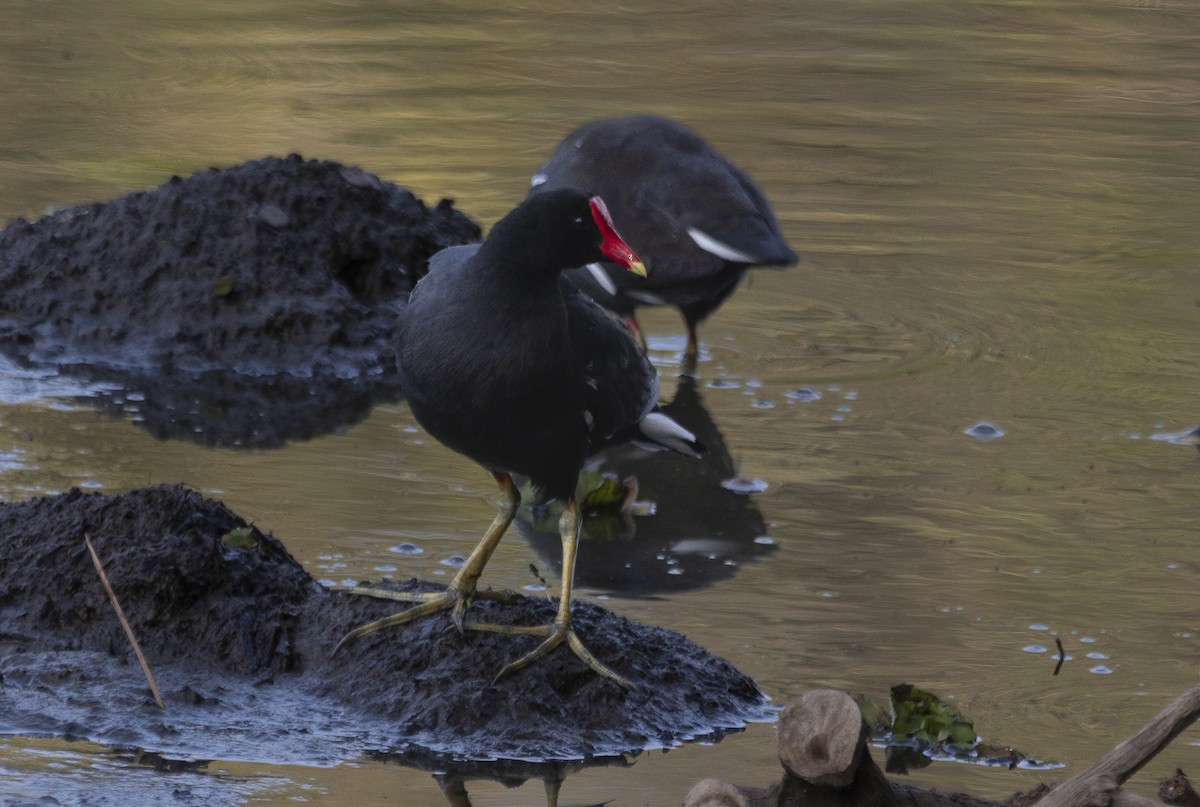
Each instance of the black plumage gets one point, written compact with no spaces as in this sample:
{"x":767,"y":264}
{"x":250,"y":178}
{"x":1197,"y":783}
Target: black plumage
{"x":504,"y":361}
{"x":696,"y":220}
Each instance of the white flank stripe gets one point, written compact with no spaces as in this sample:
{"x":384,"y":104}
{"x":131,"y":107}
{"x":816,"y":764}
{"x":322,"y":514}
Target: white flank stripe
{"x":601,"y":277}
{"x":722,"y":250}
{"x":645,"y":297}
{"x":538,"y":179}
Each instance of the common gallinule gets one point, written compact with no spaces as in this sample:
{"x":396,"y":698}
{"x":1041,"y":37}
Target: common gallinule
{"x":504,"y":361}
{"x":696,"y":220}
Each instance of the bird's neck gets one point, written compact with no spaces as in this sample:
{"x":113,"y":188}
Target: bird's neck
{"x":525,"y":268}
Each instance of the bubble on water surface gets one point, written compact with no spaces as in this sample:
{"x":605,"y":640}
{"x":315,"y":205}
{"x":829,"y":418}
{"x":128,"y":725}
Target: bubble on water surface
{"x":743,"y":485}
{"x":804,"y":395}
{"x":984,"y":432}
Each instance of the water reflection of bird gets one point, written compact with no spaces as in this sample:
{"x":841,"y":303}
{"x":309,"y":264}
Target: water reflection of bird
{"x":696,"y":220}
{"x":505,"y":362}
{"x":452,"y":775}
{"x":699,"y":534}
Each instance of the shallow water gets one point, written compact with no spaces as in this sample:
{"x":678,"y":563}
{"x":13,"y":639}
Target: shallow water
{"x":995,"y":205}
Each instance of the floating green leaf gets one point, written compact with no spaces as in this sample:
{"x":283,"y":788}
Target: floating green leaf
{"x":878,"y":720}
{"x":922,"y":716}
{"x":925,"y":727}
{"x":604,"y":502}
{"x":222,"y":286}
{"x":240,"y":538}
{"x":599,"y":492}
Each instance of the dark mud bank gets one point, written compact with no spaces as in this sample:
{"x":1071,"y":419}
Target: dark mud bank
{"x":260,"y":299}
{"x":239,"y":637}
{"x":274,"y":265}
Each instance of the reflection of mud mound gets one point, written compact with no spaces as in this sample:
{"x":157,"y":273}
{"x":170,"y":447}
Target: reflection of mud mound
{"x":225,"y":408}
{"x":276,"y":265}
{"x":239,"y":637}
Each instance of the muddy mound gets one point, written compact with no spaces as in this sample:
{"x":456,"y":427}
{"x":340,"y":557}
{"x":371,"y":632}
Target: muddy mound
{"x":239,"y":637}
{"x":272,"y":266}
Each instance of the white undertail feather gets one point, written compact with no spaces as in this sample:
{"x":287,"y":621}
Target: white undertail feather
{"x":719,"y":248}
{"x":661,"y":430}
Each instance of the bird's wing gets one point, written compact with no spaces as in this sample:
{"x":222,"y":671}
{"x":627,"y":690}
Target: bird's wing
{"x":620,"y":383}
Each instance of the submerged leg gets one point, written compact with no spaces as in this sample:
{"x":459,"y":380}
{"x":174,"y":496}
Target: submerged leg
{"x":560,"y":630}
{"x":461,"y":591}
{"x":691,"y":353}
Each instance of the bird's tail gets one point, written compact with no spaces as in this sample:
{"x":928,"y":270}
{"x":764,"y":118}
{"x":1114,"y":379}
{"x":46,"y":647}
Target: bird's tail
{"x":659,"y":431}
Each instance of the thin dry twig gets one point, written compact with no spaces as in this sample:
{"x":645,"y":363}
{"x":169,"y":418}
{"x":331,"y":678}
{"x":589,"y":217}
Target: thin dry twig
{"x":112,"y":597}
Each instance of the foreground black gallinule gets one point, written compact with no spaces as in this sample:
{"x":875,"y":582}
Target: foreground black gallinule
{"x":505,"y":362}
{"x":696,"y":220}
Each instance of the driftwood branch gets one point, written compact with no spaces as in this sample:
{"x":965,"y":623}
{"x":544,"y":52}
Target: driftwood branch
{"x":112,"y":597}
{"x":826,"y":761}
{"x":1127,"y":758}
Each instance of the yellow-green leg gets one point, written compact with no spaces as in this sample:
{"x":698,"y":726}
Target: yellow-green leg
{"x":462,"y":589}
{"x":558,"y":632}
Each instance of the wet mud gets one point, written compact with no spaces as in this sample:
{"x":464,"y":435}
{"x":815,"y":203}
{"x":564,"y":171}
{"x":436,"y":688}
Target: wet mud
{"x":275,"y":265}
{"x":268,"y":291}
{"x":239,"y":637}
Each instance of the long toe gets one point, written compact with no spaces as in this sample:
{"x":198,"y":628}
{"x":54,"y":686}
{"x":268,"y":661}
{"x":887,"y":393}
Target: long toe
{"x":557,"y":635}
{"x":428,"y":603}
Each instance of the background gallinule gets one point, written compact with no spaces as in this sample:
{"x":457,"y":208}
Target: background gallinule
{"x":504,"y":361}
{"x":696,"y":220}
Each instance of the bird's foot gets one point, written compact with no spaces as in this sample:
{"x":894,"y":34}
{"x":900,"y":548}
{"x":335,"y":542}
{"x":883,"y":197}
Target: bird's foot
{"x":428,"y":602}
{"x":555,"y":634}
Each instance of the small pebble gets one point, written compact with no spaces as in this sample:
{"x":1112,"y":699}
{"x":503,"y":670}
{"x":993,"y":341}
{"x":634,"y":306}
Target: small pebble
{"x":272,"y":215}
{"x":360,"y":178}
